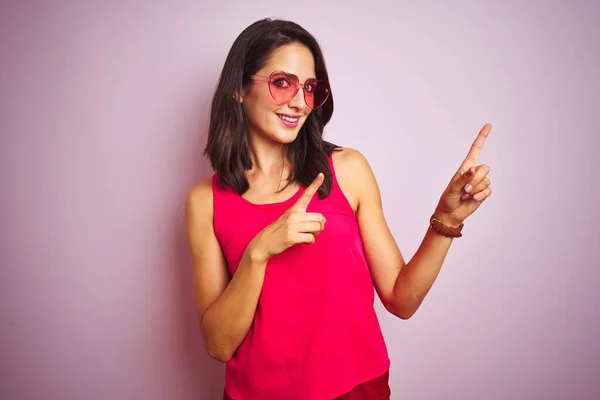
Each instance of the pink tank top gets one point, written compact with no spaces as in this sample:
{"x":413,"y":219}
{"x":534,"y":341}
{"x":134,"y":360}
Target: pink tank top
{"x":315,"y":333}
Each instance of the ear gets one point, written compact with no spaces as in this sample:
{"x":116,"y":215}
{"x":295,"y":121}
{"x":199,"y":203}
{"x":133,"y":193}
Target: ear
{"x":237,"y":97}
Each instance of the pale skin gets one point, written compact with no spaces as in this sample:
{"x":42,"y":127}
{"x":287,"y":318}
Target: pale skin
{"x":226,"y":305}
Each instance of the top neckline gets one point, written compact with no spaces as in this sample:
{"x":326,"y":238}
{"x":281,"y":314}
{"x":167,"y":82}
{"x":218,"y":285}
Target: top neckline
{"x":289,"y":200}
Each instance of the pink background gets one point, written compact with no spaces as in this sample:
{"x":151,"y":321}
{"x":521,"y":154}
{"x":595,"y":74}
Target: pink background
{"x":103,"y":117}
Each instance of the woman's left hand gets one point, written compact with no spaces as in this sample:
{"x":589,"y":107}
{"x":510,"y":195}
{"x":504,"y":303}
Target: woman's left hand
{"x":468,"y":188}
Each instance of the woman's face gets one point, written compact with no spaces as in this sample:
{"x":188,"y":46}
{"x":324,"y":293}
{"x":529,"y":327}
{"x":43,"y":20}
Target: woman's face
{"x":279,"y":122}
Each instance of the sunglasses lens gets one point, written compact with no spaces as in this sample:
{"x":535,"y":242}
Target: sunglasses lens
{"x":282,"y":87}
{"x":316,"y":93}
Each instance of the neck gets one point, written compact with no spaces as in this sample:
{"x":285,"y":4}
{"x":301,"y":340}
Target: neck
{"x":268,"y":158}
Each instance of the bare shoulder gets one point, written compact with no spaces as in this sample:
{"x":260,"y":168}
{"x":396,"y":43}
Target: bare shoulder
{"x":353,"y":173}
{"x":199,"y":200}
{"x":346,"y":158}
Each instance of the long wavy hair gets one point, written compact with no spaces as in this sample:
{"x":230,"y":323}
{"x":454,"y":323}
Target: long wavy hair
{"x":227,"y":144}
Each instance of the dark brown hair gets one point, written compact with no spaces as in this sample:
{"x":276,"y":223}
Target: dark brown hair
{"x":227,"y":145}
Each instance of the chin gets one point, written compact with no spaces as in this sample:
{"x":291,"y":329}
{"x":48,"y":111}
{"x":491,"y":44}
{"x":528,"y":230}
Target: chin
{"x":288,"y":137}
{"x":285,"y":136}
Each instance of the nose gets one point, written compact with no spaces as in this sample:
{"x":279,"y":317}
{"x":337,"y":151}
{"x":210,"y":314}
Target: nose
{"x":297,"y":102}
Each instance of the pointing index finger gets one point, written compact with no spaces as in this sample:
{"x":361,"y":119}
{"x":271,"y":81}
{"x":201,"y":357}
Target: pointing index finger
{"x":304,"y":200}
{"x":477,"y":145}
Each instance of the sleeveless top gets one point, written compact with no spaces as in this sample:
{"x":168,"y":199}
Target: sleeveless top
{"x":315,"y":333}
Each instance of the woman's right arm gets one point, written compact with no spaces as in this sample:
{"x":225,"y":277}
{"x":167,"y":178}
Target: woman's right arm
{"x":225,"y":307}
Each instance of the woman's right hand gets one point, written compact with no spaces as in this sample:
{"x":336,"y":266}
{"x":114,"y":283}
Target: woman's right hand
{"x":293,"y":227}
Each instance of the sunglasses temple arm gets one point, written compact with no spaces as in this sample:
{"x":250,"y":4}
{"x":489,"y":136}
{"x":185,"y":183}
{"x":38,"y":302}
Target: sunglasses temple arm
{"x":261,"y":78}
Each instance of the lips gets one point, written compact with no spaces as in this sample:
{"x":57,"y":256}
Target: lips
{"x":289,"y":118}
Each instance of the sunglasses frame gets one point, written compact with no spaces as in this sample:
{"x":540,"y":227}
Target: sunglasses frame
{"x":300,"y":85}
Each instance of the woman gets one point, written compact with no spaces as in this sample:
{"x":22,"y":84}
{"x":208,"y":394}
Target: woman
{"x":288,"y":238}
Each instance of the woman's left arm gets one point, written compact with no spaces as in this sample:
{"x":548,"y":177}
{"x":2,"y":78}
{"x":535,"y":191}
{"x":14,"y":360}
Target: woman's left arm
{"x":403,"y":286}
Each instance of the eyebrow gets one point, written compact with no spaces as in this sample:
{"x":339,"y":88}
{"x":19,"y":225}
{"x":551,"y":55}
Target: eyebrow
{"x":289,"y":73}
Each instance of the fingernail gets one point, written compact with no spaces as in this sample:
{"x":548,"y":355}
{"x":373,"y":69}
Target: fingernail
{"x":468,"y":188}
{"x":470,"y":172}
{"x":465,"y":196}
{"x":477,"y":196}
